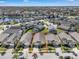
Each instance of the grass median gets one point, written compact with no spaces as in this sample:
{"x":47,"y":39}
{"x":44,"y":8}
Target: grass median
{"x":2,"y":50}
{"x":65,"y":49}
{"x":45,"y":31}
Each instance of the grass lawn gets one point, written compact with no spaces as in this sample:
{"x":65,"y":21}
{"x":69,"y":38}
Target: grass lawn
{"x":65,"y":49}
{"x":15,"y":56}
{"x":3,"y":16}
{"x":47,"y":50}
{"x":18,"y":24}
{"x":59,"y":30}
{"x":45,"y":31}
{"x":61,"y":57}
{"x":2,"y":50}
{"x":20,"y":50}
{"x":51,"y":49}
{"x":30,"y":30}
{"x":77,"y":45}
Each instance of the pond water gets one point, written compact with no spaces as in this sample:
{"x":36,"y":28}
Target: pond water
{"x":9,"y":19}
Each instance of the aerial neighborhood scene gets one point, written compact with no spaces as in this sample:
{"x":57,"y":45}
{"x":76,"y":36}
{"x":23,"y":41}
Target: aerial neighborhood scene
{"x":47,"y":29}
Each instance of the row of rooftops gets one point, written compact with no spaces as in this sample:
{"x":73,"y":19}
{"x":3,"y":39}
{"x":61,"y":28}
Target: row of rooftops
{"x":10,"y":36}
{"x":67,"y":39}
{"x":39,"y":38}
{"x":65,"y":35}
{"x":50,"y":38}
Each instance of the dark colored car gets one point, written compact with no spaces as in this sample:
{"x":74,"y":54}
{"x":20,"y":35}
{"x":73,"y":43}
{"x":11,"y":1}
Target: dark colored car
{"x":57,"y":53}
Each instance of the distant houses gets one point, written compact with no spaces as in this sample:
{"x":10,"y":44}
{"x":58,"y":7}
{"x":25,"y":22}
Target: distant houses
{"x":39,"y":27}
{"x":64,"y":24}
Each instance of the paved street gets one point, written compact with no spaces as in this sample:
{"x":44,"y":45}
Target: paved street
{"x":45,"y":56}
{"x":7,"y":55}
{"x":58,"y":50}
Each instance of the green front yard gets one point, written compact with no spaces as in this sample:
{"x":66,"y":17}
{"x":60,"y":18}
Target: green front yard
{"x":2,"y":50}
{"x":65,"y":49}
{"x":3,"y":16}
{"x":51,"y":49}
{"x":45,"y":31}
{"x":77,"y":45}
{"x":59,"y":30}
{"x":27,"y":30}
{"x":20,"y":49}
{"x":30,"y":30}
{"x":16,"y":56}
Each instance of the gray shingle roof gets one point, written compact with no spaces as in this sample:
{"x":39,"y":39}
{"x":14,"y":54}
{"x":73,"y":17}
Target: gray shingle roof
{"x":51,"y":37}
{"x":3,"y":36}
{"x":39,"y":37}
{"x":75,"y":35}
{"x":63,"y":36}
{"x":26,"y":38}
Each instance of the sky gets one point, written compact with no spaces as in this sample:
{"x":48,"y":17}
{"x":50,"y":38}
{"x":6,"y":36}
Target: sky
{"x":39,"y":2}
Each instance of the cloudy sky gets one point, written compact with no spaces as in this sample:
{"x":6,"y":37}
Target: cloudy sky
{"x":39,"y":2}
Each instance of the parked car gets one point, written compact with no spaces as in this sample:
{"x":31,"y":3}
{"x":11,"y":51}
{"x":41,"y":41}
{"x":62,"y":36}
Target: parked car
{"x":75,"y":53}
{"x":57,"y":53}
